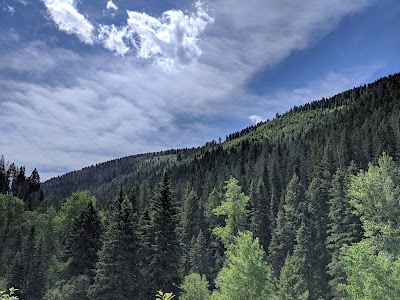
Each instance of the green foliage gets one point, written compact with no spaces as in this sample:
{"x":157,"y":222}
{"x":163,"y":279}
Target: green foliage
{"x":164,"y":296}
{"x":375,"y":194}
{"x":292,"y":284}
{"x":370,"y":274}
{"x":245,"y":274}
{"x":234,"y":209}
{"x":8,"y":296}
{"x":117,"y":270}
{"x":83,"y":243}
{"x":195,"y":287}
{"x":164,"y":268}
{"x":11,"y":218}
{"x":71,"y":209}
{"x":344,"y":226}
{"x":292,"y":212}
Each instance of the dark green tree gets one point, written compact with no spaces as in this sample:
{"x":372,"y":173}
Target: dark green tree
{"x":317,"y":200}
{"x":292,"y":212}
{"x":117,"y":269}
{"x":344,"y":227}
{"x":200,"y":256}
{"x":83,"y":243}
{"x":164,"y":266}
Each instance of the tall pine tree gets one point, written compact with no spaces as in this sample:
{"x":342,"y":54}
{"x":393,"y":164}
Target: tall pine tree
{"x":117,"y":269}
{"x":164,"y":266}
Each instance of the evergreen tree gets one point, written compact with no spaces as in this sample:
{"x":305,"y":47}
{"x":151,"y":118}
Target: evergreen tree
{"x":4,"y":180}
{"x":83,"y":243}
{"x":259,"y":212}
{"x":344,"y":226}
{"x":24,"y":266}
{"x":146,"y":238}
{"x":317,"y":198}
{"x":116,"y":270}
{"x":164,"y":265}
{"x":200,"y":258}
{"x":292,"y":212}
{"x":292,"y":285}
{"x":234,"y":209}
{"x":190,"y":223}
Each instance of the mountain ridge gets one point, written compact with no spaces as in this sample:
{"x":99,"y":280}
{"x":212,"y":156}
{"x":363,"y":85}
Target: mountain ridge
{"x":295,"y":124}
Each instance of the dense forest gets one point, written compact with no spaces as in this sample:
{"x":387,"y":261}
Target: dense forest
{"x":304,"y":206}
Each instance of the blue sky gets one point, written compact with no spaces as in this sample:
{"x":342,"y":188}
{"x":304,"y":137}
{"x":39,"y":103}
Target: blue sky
{"x":83,"y":82}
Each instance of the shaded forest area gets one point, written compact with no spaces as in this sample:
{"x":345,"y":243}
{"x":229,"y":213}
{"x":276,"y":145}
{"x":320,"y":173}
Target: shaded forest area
{"x":292,"y":208}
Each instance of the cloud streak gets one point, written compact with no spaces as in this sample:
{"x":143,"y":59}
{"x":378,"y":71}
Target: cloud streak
{"x":69,"y":20}
{"x":96,"y":106}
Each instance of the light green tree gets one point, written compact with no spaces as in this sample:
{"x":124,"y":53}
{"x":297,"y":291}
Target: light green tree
{"x":233,"y":207}
{"x":194,"y":287}
{"x":246,"y":275}
{"x":375,"y":194}
{"x":370,"y":274}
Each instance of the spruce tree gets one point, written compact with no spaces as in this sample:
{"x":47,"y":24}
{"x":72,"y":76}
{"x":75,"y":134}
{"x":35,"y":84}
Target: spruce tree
{"x":83,"y":243}
{"x":164,"y":266}
{"x":317,"y":200}
{"x":200,"y":258}
{"x":117,"y":268}
{"x":235,"y":212}
{"x":146,"y":238}
{"x":190,"y":223}
{"x":292,"y":212}
{"x":292,"y":285}
{"x":344,"y":226}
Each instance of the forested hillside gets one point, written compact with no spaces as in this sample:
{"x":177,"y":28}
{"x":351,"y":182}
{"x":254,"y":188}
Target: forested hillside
{"x":357,"y":125}
{"x":305,"y":206}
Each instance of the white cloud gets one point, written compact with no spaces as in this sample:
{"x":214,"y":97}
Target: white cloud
{"x":113,"y":38}
{"x":68,"y":19}
{"x":119,"y":106}
{"x":256,"y":119}
{"x":172,"y":39}
{"x":111,"y":6}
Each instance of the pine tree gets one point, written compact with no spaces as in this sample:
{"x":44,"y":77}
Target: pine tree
{"x":146,"y":238}
{"x":317,"y":198}
{"x":200,"y":258}
{"x":116,"y":270}
{"x":190,"y":224}
{"x":292,"y":212}
{"x":165,"y":271}
{"x":344,"y":226}
{"x":83,"y":243}
{"x":4,"y":180}
{"x":292,"y":285}
{"x":234,"y":210}
{"x":259,"y":212}
{"x":29,"y":268}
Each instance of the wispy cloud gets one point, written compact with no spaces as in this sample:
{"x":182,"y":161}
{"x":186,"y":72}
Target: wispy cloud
{"x":102,"y":106}
{"x":68,"y":19}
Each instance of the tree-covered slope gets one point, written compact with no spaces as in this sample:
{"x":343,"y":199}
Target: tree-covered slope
{"x":357,"y":125}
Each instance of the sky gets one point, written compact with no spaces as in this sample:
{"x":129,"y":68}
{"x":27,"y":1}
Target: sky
{"x":83,"y":82}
